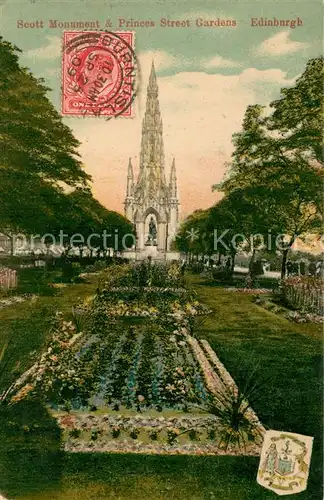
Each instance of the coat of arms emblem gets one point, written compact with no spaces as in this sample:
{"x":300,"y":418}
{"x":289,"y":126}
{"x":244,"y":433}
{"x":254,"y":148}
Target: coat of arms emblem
{"x":284,"y":462}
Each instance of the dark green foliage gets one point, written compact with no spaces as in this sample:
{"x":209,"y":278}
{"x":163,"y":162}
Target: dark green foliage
{"x":134,"y":433}
{"x":115,"y":432}
{"x":222,"y":273}
{"x":34,"y":138}
{"x":299,"y":111}
{"x":29,"y":428}
{"x":193,"y":435}
{"x":38,"y":150}
{"x":172,"y":436}
{"x":39,"y":159}
{"x":75,"y":433}
{"x":154,"y":435}
{"x":95,"y":434}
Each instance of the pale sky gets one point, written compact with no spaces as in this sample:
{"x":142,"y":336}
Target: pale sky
{"x":207,"y":77}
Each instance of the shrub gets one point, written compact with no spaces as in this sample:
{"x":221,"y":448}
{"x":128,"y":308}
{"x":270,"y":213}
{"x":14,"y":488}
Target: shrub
{"x":232,"y":409}
{"x":134,"y":433}
{"x":222,"y":273}
{"x":256,"y":268}
{"x":90,"y":269}
{"x":94,"y":434}
{"x":115,"y":432}
{"x":75,"y":433}
{"x":172,"y":435}
{"x":193,"y":435}
{"x":211,"y":434}
{"x":153,"y":435}
{"x":196,"y":267}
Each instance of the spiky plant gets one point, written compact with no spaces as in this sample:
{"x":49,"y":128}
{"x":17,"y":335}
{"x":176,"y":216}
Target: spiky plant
{"x":196,"y":325}
{"x":5,"y":384}
{"x":78,"y":320}
{"x":231,"y":406}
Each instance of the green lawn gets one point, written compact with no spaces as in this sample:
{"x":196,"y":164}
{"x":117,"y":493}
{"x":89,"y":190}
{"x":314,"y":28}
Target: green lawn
{"x":288,"y":357}
{"x":27,"y":324}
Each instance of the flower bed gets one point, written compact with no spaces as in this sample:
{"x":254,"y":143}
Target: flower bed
{"x":303,"y":317}
{"x":145,"y":305}
{"x":294,"y":316}
{"x":147,"y":275}
{"x":145,"y":368}
{"x":148,"y":289}
{"x":111,"y":367}
{"x":304,"y":293}
{"x":185,"y":435}
{"x":249,"y":290}
{"x":15,"y":299}
{"x":144,"y":371}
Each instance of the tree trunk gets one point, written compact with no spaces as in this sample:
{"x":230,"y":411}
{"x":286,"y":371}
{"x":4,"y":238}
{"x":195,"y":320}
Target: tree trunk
{"x":12,"y":249}
{"x":11,"y":244}
{"x":284,"y":262}
{"x":285,"y":255}
{"x":251,"y":261}
{"x":233,"y":255}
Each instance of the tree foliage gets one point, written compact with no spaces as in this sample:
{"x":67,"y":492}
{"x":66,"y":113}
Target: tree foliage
{"x":274,"y":183}
{"x":38,"y":152}
{"x":298,"y":114}
{"x":43,"y":188}
{"x":33,"y":137}
{"x":277,"y":161}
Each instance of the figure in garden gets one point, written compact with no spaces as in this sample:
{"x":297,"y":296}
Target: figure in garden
{"x":152,"y":232}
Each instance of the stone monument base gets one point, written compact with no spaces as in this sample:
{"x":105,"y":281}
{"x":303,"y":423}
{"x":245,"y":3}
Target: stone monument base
{"x":151,"y":252}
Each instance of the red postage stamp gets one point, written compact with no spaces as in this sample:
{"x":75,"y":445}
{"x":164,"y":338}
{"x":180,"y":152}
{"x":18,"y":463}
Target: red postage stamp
{"x":98,"y":73}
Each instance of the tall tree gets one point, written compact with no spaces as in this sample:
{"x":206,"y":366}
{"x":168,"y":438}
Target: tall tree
{"x":192,"y":238}
{"x":277,"y":161}
{"x":237,"y":222}
{"x":298,"y":114}
{"x":37,"y":150}
{"x":96,"y":219}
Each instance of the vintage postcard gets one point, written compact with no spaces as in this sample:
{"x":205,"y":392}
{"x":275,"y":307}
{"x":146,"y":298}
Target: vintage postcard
{"x":161,"y":249}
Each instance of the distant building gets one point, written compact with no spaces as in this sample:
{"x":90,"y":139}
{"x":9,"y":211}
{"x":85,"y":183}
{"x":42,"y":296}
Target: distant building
{"x":5,"y":244}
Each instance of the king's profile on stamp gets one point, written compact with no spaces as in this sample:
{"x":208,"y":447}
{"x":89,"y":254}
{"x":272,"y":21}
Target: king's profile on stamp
{"x":98,"y":73}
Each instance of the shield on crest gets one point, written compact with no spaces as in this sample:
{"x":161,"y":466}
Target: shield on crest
{"x":284,"y":462}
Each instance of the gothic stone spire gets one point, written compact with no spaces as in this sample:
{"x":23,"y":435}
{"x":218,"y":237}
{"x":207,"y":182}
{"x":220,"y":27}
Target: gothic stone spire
{"x":152,"y":85}
{"x":151,"y":193}
{"x":152,"y":147}
{"x":130,"y":179}
{"x":173,"y":181}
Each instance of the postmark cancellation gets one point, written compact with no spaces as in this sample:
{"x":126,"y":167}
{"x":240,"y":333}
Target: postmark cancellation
{"x":98,"y":73}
